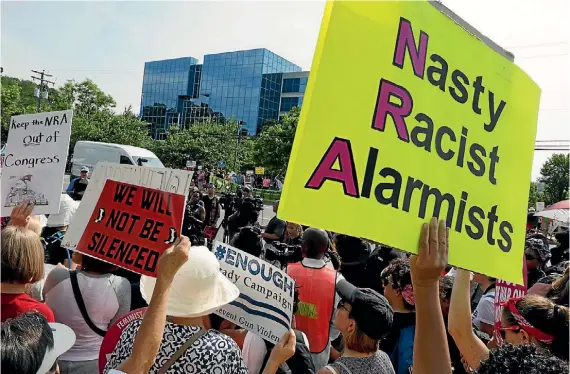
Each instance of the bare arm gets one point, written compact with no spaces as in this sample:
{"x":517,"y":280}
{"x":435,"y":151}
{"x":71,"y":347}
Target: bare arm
{"x":148,"y":338}
{"x":431,"y":354}
{"x":270,"y":236}
{"x":281,"y":353}
{"x":460,"y":325}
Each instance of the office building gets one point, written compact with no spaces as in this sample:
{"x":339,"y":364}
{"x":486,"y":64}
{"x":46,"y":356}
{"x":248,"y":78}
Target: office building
{"x":293,"y":87}
{"x":250,"y":87}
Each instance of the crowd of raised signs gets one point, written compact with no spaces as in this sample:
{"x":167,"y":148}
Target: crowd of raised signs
{"x":359,"y":307}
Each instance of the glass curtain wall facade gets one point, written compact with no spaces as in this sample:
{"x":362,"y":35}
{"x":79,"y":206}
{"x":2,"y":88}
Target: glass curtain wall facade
{"x":293,"y":89}
{"x":245,"y":86}
{"x":163,"y":82}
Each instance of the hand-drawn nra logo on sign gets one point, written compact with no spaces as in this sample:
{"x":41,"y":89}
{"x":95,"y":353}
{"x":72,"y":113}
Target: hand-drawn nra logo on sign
{"x":131,"y":226}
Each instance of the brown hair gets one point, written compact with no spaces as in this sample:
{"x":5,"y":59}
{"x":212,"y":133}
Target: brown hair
{"x":22,"y":256}
{"x":547,"y":317}
{"x":89,"y":263}
{"x":560,"y":290}
{"x":358,"y":341}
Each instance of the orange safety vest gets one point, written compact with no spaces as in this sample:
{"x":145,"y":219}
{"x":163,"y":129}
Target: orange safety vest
{"x":316,"y":302}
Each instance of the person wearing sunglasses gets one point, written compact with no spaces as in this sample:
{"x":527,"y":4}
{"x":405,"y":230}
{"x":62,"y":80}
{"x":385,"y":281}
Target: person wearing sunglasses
{"x":537,"y":320}
{"x":537,"y":254}
{"x":364,"y":317}
{"x":529,"y":320}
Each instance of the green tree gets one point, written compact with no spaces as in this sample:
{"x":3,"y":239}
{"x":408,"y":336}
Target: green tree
{"x":534,"y":196}
{"x":207,"y":142}
{"x":107,"y":127}
{"x":11,"y":105}
{"x":273,"y":145}
{"x":85,"y":98}
{"x":554,"y":175}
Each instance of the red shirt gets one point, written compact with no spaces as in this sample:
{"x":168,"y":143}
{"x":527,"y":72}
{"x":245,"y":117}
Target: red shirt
{"x":16,"y":304}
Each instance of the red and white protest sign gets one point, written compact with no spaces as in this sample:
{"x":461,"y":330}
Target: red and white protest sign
{"x":503,"y":292}
{"x":114,"y":334}
{"x":131,"y":226}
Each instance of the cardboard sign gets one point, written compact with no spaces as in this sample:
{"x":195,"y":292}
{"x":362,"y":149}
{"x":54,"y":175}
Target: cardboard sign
{"x":505,"y":290}
{"x":131,"y":226}
{"x":430,"y":133}
{"x":34,"y":161}
{"x":114,"y":334}
{"x":265,"y":303}
{"x":539,"y":206}
{"x":169,"y":180}
{"x":259,"y":170}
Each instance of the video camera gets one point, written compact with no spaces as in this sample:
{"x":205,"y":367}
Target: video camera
{"x":227,"y":200}
{"x":285,"y":254}
{"x":256,"y":202}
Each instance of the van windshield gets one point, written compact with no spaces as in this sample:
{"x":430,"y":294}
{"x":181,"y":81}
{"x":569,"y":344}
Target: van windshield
{"x":150,"y":162}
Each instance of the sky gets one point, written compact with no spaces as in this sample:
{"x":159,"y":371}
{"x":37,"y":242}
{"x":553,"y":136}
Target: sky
{"x":109,"y":42}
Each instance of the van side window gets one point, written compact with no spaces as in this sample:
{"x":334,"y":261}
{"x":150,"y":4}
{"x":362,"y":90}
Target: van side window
{"x":125,"y":160}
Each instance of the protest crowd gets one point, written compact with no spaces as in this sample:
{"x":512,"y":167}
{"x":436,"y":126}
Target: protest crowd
{"x":359,"y":306}
{"x":124,"y":272}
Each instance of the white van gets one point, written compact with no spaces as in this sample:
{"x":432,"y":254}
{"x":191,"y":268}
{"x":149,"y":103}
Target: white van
{"x":90,"y":153}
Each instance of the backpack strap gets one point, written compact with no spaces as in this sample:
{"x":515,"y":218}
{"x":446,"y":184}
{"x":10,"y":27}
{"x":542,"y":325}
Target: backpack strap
{"x":81,"y":304}
{"x":181,"y":351}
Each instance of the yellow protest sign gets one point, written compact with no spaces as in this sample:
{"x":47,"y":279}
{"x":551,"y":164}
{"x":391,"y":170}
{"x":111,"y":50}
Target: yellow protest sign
{"x":409,"y":116}
{"x":259,"y":170}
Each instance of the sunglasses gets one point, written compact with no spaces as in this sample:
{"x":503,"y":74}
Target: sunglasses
{"x":529,"y":257}
{"x":503,"y":330}
{"x":342,"y":305}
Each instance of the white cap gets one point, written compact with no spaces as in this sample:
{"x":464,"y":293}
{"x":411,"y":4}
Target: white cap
{"x":63,"y":340}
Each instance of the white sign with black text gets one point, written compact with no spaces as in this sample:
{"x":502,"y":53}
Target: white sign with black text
{"x":34,"y":161}
{"x":169,"y":180}
{"x":265,"y":303}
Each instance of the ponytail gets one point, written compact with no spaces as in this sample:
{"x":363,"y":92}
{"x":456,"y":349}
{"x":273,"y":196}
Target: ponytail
{"x":560,"y":346}
{"x":546,"y":317}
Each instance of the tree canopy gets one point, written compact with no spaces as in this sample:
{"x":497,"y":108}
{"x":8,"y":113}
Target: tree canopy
{"x":554,"y":175}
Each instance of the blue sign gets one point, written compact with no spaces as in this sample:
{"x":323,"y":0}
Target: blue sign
{"x":222,"y":164}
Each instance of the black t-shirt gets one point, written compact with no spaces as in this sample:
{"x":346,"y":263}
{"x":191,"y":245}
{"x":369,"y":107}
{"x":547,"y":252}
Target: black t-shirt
{"x":54,"y":252}
{"x":80,"y":185}
{"x":275,"y":226}
{"x":211,"y":207}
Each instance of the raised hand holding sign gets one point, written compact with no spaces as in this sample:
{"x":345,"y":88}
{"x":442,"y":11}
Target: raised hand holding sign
{"x":131,"y":226}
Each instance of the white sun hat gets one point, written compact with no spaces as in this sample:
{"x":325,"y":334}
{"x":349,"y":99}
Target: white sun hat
{"x":63,"y":340}
{"x":198,"y":288}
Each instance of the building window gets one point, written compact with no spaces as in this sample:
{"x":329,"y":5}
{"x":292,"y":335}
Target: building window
{"x":288,"y":103}
{"x":291,"y":85}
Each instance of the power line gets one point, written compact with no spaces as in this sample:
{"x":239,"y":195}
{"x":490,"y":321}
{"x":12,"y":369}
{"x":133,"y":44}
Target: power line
{"x":43,"y":84}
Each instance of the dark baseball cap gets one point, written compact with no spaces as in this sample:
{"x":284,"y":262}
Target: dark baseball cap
{"x":370,"y":310}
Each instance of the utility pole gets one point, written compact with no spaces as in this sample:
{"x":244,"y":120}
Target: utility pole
{"x":43,"y":84}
